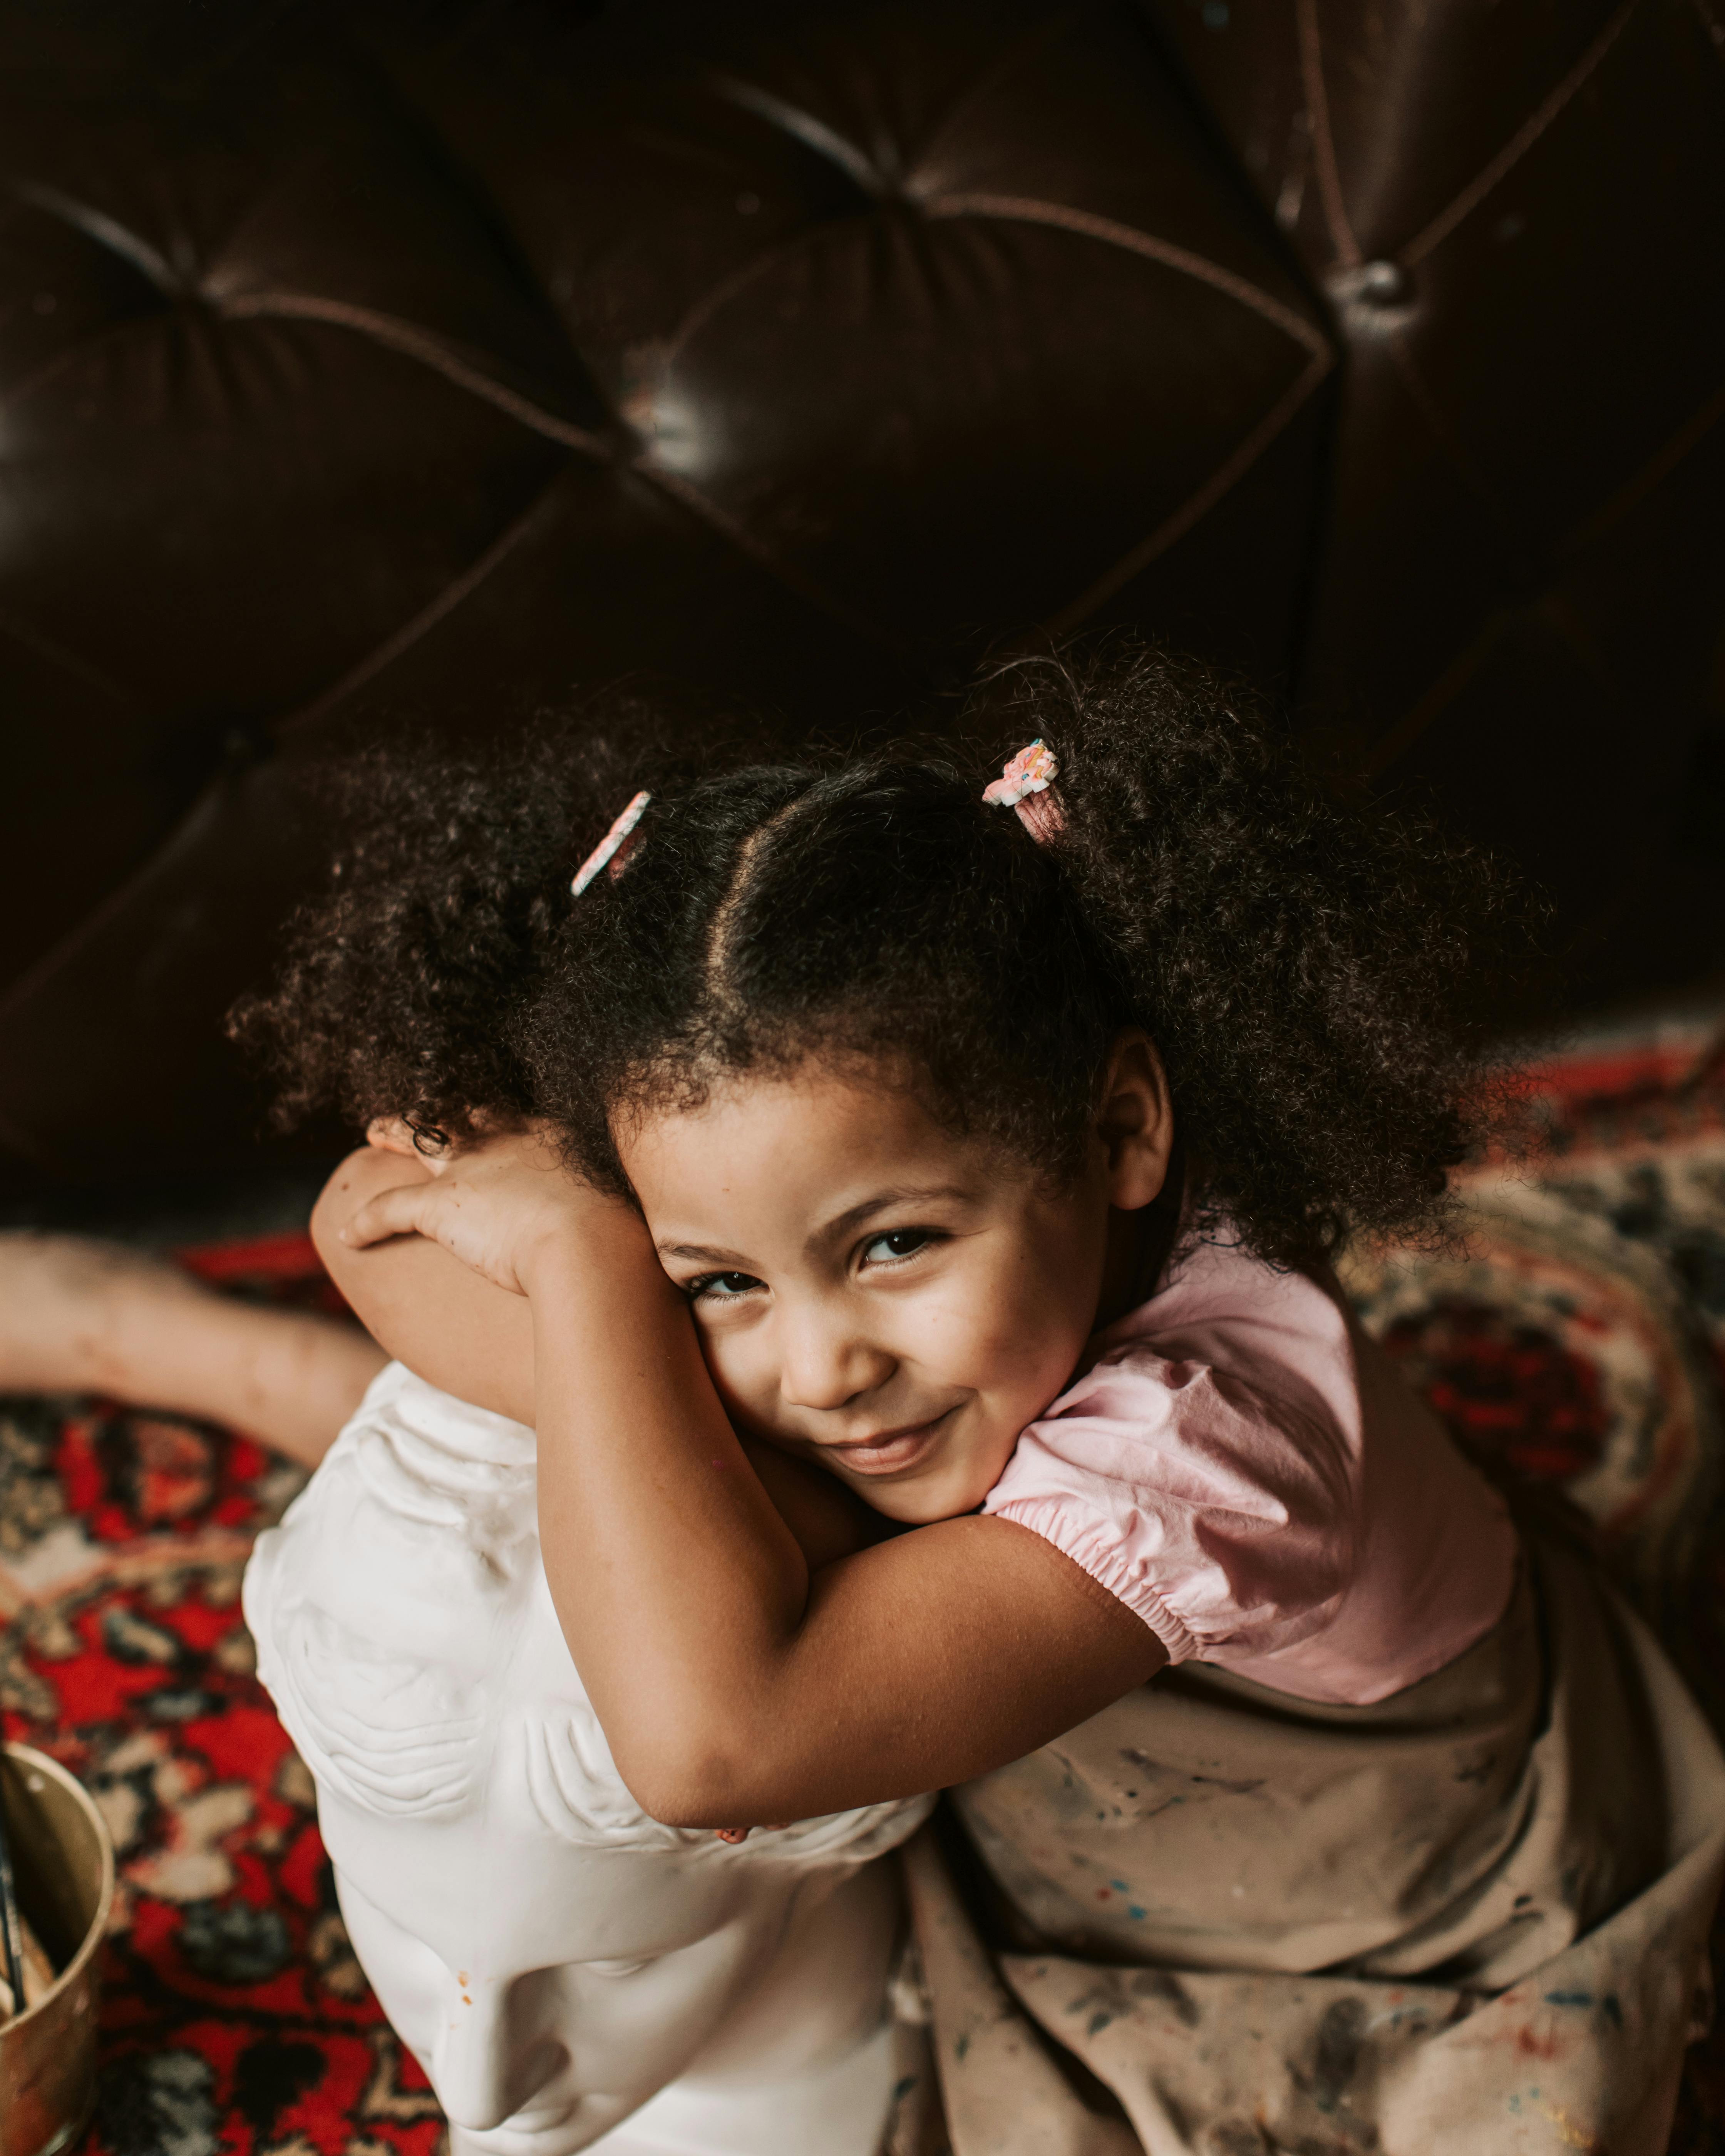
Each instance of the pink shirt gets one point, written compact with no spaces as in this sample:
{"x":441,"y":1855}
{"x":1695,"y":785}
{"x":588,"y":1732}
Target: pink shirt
{"x":1247,"y":1472}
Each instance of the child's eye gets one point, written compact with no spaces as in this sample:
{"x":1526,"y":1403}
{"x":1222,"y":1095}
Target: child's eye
{"x":897,"y":1243}
{"x":721,"y":1288}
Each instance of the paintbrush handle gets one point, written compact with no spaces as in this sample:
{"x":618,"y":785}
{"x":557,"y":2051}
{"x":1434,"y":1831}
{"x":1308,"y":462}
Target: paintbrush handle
{"x":11,"y":1930}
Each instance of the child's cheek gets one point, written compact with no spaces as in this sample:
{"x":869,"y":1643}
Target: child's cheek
{"x":974,"y":1330}
{"x":1013,"y":1361}
{"x":1025,"y":1344}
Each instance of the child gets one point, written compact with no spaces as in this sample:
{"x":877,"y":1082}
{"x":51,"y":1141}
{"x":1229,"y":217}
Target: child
{"x":987,"y":1153}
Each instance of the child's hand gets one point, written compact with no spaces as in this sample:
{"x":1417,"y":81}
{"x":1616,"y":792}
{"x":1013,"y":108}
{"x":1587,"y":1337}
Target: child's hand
{"x":492,"y":1205}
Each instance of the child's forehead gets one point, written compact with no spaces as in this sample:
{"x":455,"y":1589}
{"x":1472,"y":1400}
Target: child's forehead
{"x":831,"y":1113}
{"x":815,"y":1142}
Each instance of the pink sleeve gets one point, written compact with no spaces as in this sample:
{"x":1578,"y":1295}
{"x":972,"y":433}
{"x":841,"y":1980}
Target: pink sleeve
{"x":1221,"y":1518}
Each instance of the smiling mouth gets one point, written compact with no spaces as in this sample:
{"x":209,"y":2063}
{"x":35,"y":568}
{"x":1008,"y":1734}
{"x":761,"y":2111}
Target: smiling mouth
{"x":889,"y":1452}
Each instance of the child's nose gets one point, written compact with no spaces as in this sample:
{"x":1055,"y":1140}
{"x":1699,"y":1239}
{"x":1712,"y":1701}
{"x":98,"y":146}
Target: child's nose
{"x":825,"y":1364}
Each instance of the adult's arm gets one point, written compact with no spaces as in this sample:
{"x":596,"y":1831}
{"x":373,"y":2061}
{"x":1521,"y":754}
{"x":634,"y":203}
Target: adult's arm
{"x":735,"y":1684}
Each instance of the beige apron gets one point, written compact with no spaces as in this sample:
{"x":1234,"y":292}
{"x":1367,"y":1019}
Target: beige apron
{"x":1223,"y":1921}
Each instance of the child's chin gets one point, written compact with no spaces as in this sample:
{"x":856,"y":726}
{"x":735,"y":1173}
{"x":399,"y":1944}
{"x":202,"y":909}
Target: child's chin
{"x":920,"y":1500}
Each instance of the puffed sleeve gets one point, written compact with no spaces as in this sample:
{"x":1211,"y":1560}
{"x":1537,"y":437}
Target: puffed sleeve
{"x":1224,"y":1518}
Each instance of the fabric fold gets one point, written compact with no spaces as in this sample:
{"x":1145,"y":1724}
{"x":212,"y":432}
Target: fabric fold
{"x":1470,"y":1920}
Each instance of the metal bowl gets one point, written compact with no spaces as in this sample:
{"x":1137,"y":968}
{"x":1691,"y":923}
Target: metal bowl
{"x":64,"y":1860}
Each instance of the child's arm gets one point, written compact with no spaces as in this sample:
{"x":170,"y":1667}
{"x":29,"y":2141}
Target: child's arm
{"x":732,"y":1685}
{"x":459,"y":1332}
{"x":420,"y":1305}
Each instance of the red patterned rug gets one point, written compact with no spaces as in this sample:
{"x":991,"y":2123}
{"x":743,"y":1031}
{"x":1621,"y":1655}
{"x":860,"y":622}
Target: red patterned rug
{"x":235,"y":2018}
{"x":1581,"y":1344}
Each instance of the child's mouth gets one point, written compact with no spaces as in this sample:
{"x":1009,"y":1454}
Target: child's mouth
{"x":889,"y":1452}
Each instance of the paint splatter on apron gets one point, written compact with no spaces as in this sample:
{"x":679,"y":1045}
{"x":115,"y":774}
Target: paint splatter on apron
{"x":1223,"y":1921}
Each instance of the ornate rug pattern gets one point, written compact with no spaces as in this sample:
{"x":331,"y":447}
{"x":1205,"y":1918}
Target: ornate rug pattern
{"x":1579,"y":1344}
{"x":235,"y":2018}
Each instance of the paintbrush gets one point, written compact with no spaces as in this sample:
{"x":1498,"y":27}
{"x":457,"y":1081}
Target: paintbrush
{"x":11,"y":1929}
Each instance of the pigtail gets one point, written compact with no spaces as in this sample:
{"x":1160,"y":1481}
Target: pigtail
{"x":1318,"y":977}
{"x":402,"y":979}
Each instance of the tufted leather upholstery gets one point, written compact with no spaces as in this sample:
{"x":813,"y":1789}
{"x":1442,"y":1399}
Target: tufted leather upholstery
{"x":414,"y":364}
{"x":1518,"y":215}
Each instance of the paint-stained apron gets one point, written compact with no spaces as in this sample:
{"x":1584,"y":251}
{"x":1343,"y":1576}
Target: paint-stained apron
{"x":1471,"y":1918}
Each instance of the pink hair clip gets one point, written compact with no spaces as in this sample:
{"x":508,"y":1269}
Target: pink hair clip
{"x":614,"y":849}
{"x":1026,"y":785}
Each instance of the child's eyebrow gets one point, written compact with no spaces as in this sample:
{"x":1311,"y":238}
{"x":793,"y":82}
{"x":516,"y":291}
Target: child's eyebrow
{"x":842,"y":1223}
{"x":904,"y":1195}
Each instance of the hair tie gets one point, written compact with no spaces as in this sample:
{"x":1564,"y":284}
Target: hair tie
{"x":1026,"y":785}
{"x":614,"y":849}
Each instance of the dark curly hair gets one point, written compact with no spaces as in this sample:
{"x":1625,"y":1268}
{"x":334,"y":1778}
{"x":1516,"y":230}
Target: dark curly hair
{"x":1316,"y":978}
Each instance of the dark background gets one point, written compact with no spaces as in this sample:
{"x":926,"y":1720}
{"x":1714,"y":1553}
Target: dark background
{"x":421,"y":365}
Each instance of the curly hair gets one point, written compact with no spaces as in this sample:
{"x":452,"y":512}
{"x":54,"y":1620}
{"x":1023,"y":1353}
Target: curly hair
{"x":1316,"y":978}
{"x":401,"y":981}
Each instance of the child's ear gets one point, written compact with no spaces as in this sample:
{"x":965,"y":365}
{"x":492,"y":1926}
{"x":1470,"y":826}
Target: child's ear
{"x":1135,"y":1121}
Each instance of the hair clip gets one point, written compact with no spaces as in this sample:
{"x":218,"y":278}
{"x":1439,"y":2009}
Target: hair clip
{"x":1026,"y":785}
{"x":614,"y":849}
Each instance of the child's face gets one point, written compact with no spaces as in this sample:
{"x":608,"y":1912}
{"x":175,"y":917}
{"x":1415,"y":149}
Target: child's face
{"x":872,"y":1292}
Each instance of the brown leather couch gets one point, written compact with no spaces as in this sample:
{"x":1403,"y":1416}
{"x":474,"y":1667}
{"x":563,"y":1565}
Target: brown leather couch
{"x":415,"y":362}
